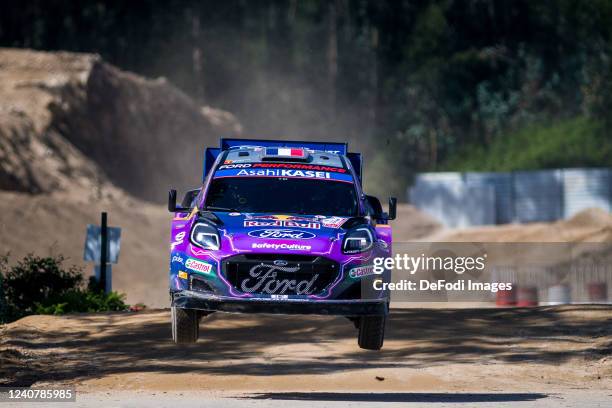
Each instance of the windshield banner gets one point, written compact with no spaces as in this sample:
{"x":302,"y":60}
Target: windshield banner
{"x":322,"y":174}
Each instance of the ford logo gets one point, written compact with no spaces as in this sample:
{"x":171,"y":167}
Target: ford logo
{"x":280,"y":262}
{"x":281,"y":234}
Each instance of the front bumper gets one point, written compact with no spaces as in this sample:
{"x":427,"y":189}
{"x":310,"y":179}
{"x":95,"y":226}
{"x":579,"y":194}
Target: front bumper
{"x":187,"y":299}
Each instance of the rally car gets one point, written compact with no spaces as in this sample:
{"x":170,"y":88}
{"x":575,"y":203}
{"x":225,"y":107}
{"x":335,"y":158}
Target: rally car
{"x":279,"y":227}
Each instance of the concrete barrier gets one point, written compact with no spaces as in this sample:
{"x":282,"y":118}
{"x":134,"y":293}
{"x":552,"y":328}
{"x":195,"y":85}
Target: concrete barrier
{"x":473,"y":198}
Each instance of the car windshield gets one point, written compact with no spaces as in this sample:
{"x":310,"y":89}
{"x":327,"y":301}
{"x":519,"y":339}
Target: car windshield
{"x":283,"y":195}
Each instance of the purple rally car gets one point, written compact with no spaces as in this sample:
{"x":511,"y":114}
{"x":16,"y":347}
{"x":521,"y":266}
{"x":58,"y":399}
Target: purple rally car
{"x":279,"y":227}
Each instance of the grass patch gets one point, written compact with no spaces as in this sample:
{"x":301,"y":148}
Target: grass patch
{"x":577,"y":142}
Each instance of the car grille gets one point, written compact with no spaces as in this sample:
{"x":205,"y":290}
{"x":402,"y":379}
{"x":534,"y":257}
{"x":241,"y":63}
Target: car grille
{"x":274,"y":274}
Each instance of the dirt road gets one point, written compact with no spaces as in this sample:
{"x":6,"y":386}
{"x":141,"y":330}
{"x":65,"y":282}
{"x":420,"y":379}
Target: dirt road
{"x":530,"y":353}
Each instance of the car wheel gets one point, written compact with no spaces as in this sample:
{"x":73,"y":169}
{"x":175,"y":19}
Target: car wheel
{"x":185,"y":325}
{"x":372,"y":332}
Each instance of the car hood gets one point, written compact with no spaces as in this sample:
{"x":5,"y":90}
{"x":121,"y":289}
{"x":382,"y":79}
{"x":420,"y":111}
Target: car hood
{"x":291,"y":233}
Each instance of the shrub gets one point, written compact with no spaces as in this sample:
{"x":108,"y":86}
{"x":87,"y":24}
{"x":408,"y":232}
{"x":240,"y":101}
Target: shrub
{"x":42,"y":285}
{"x":82,"y":301}
{"x":37,"y":280}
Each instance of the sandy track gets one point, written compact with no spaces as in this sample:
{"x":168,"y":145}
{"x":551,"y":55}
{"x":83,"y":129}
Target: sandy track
{"x":494,"y":350}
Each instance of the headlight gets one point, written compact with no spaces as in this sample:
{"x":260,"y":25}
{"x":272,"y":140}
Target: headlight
{"x":357,"y":240}
{"x":205,"y":236}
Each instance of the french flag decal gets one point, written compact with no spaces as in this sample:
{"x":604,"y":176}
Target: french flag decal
{"x":284,"y":151}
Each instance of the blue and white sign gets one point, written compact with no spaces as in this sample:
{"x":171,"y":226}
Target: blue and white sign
{"x":93,"y":245}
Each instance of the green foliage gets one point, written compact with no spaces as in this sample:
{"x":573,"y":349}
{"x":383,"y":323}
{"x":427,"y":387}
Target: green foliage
{"x":578,"y":142}
{"x":74,"y":301}
{"x":37,"y":280}
{"x":42,"y":285}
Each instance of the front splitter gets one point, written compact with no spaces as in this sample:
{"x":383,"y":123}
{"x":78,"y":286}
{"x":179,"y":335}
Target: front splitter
{"x":193,"y":300}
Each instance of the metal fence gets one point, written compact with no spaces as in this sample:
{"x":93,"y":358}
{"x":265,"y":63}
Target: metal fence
{"x":472,"y":198}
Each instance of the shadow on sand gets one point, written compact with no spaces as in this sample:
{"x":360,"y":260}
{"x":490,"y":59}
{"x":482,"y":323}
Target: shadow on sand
{"x":398,"y":397}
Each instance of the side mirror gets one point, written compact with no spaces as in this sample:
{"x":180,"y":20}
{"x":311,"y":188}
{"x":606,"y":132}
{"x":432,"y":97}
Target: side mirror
{"x":189,"y":197}
{"x":172,"y":203}
{"x":376,"y":207}
{"x":392,"y":208}
{"x":172,"y":200}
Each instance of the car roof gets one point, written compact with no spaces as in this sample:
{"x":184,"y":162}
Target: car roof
{"x":256,"y":154}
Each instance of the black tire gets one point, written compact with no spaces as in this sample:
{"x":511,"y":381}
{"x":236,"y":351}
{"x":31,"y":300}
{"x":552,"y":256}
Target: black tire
{"x":185,"y":325}
{"x":372,"y":332}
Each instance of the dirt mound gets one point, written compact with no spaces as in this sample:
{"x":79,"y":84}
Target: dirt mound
{"x":591,"y":217}
{"x":412,"y":224}
{"x":590,"y":225}
{"x":71,"y":121}
{"x":79,"y":136}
